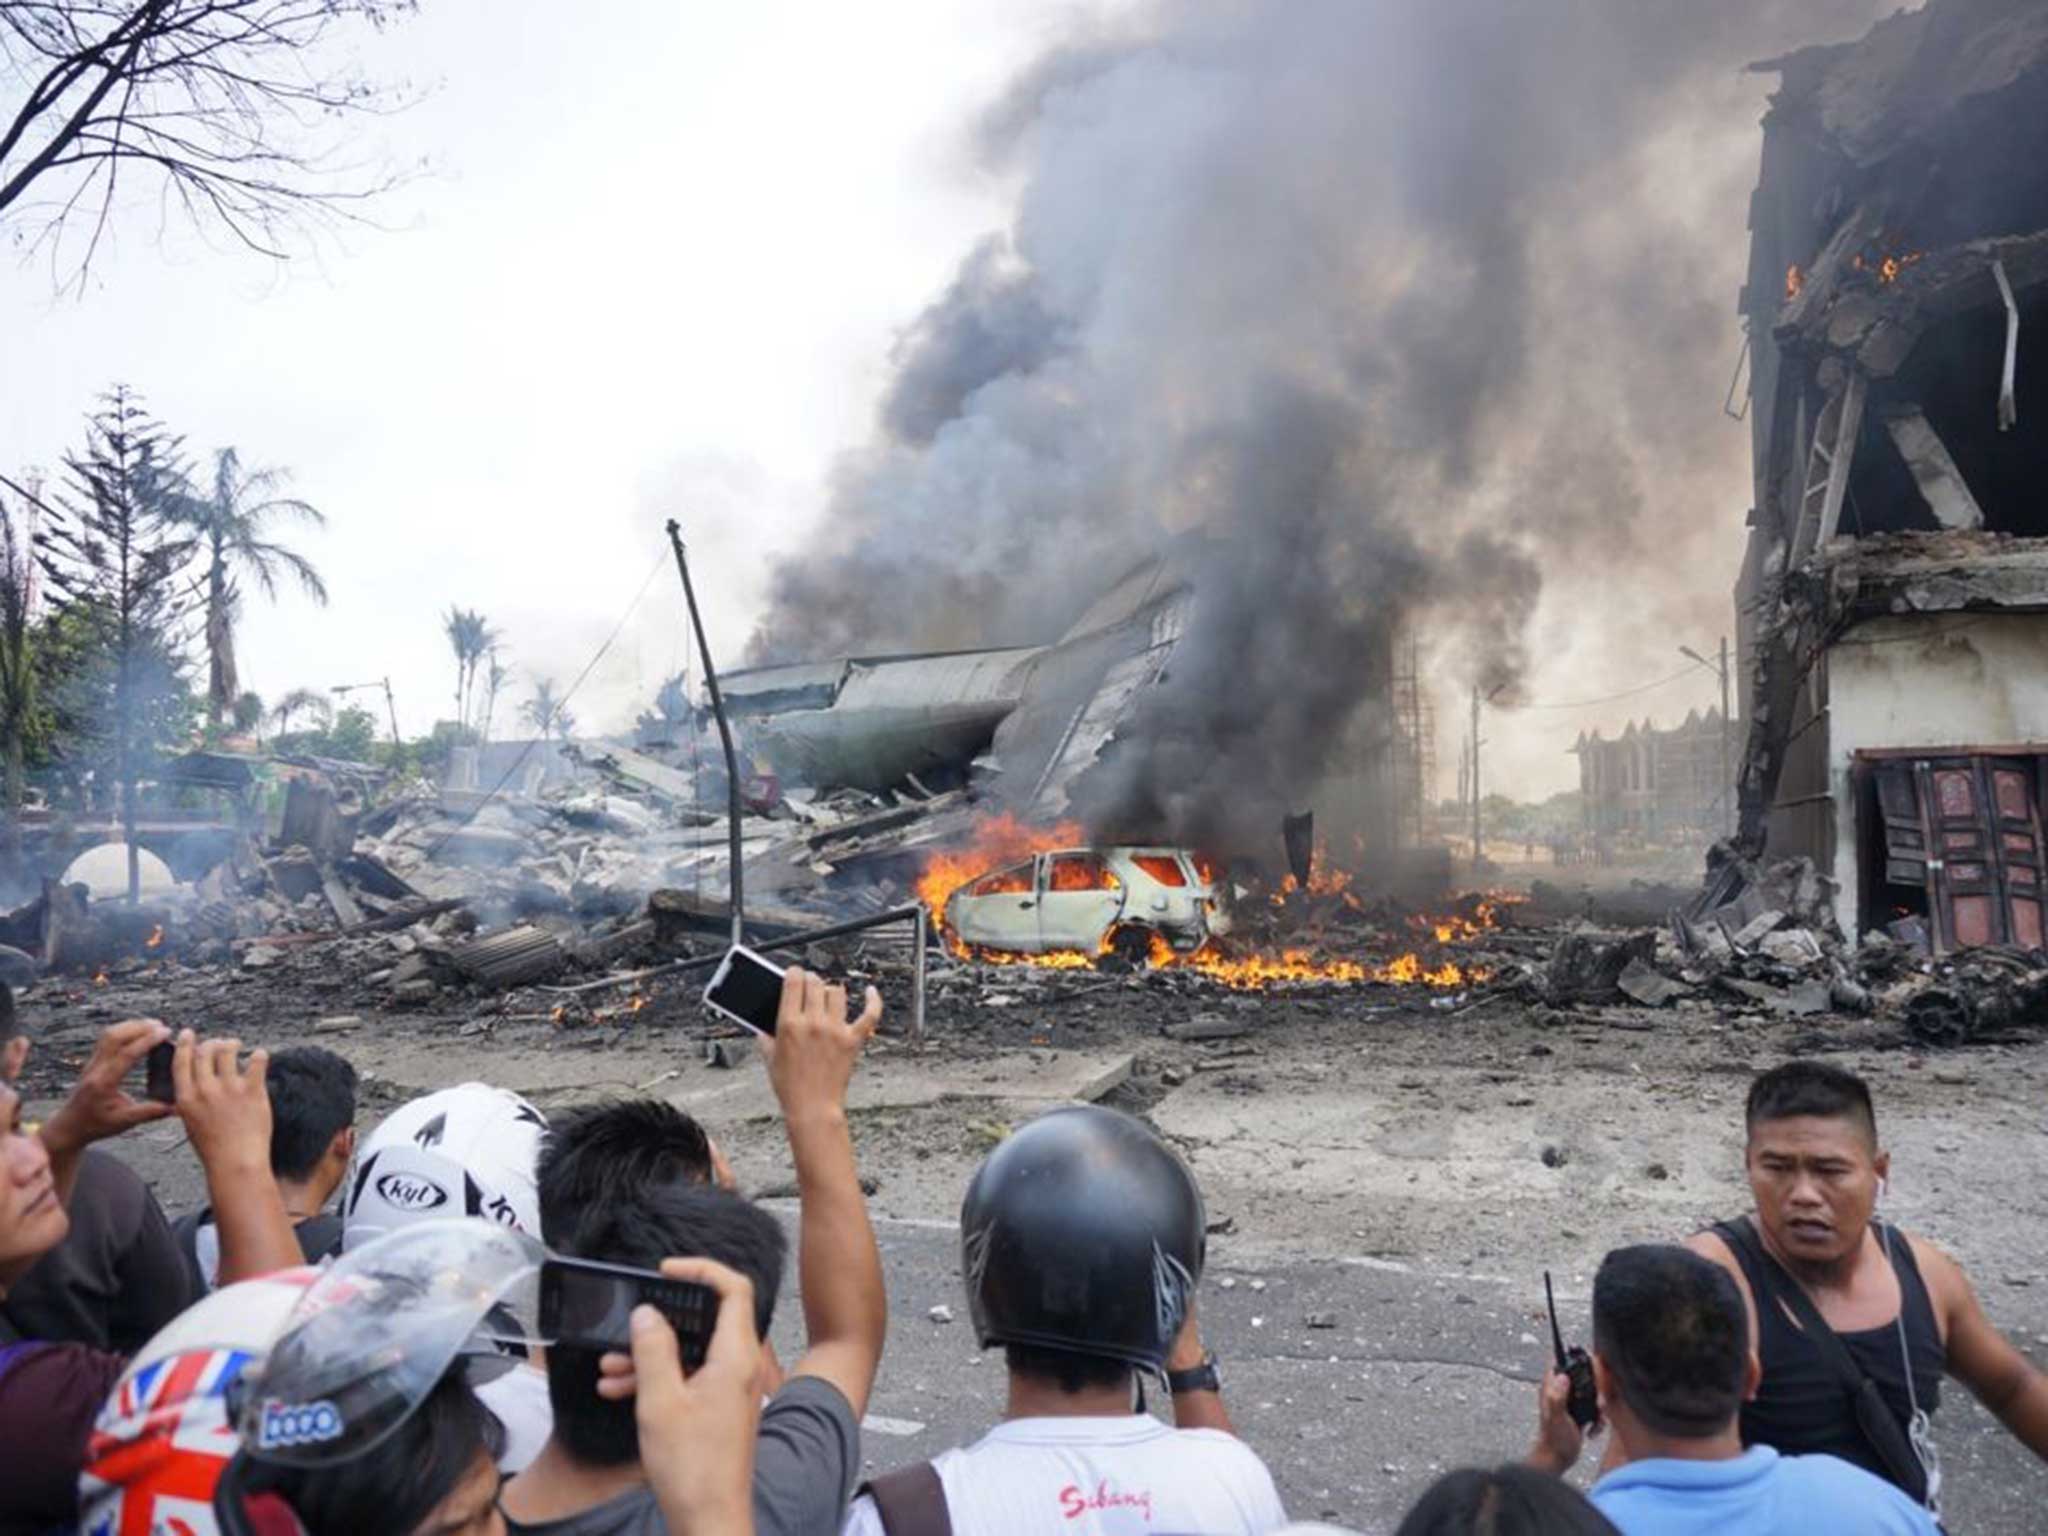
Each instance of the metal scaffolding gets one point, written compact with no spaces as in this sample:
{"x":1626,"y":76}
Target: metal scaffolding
{"x":1415,"y":816}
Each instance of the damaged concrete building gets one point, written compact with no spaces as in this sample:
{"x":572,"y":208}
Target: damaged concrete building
{"x":1655,"y":783}
{"x":1893,"y":602}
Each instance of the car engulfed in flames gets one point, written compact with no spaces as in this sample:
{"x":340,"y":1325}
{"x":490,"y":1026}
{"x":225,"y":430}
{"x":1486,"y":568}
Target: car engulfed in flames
{"x":1089,"y":901}
{"x":1042,"y":896}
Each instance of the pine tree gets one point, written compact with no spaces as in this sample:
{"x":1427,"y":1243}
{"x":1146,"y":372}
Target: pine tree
{"x":17,"y":674}
{"x":116,"y":558}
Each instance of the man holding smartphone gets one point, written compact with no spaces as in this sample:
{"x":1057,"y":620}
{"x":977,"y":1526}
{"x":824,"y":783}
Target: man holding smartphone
{"x":117,"y":1277}
{"x":589,"y":1479}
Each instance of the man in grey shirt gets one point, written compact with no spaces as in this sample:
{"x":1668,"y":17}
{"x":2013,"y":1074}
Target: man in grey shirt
{"x":588,"y":1480}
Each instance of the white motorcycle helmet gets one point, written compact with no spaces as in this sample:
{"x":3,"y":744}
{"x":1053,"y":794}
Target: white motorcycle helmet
{"x":464,"y":1151}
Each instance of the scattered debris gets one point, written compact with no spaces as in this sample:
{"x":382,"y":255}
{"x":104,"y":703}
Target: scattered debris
{"x":728,"y":1051}
{"x":1647,"y":985}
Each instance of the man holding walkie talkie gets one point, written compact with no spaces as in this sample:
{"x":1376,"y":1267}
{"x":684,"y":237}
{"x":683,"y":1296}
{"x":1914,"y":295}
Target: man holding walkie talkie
{"x":1851,"y":1322}
{"x":1671,"y":1366}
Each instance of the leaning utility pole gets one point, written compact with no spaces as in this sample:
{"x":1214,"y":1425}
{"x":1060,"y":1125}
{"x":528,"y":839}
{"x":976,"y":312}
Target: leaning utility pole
{"x":1727,"y":736}
{"x":1478,"y":849}
{"x":732,"y":764}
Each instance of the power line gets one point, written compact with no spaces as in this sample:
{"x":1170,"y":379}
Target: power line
{"x":1609,"y":698}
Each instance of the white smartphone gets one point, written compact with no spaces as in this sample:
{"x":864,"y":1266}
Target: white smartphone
{"x":746,"y":989}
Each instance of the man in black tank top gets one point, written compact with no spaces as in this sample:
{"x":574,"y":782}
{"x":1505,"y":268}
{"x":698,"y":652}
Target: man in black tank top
{"x":1813,"y":1253}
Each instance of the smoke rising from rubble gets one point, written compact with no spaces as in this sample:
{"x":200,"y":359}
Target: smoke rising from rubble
{"x":1402,"y":308}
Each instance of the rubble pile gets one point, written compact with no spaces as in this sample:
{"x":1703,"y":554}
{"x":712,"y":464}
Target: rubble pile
{"x":569,"y":904}
{"x":1764,"y":940}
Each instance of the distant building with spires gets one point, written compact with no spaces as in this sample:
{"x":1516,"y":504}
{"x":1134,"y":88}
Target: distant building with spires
{"x":1657,"y":783}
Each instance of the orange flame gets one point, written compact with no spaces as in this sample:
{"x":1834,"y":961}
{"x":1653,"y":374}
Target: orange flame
{"x":998,"y":841}
{"x":1457,"y":927}
{"x":156,"y":937}
{"x":1250,"y":972}
{"x":1002,"y":841}
{"x":636,"y":1004}
{"x":99,"y":977}
{"x":1322,"y":879}
{"x":1795,"y":280}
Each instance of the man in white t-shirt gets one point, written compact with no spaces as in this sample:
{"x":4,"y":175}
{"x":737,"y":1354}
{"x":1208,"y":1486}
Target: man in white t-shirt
{"x":1081,"y":1240}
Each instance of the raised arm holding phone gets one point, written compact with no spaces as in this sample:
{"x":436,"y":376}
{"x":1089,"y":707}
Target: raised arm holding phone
{"x":611,"y":1468}
{"x":810,"y":1059}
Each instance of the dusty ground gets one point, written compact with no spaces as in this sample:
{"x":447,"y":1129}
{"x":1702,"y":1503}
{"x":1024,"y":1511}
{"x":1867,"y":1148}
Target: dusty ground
{"x":1371,"y":1132}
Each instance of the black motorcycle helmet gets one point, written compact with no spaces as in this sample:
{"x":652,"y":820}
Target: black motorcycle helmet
{"x":1083,"y":1232}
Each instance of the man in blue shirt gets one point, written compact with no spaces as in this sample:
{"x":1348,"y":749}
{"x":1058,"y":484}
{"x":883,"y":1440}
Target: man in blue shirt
{"x":1672,"y":1360}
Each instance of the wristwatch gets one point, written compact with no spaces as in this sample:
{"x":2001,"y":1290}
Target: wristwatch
{"x":1196,"y":1378}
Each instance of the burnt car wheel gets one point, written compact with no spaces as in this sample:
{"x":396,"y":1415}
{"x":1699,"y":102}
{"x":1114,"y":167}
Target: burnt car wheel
{"x":1129,"y":950}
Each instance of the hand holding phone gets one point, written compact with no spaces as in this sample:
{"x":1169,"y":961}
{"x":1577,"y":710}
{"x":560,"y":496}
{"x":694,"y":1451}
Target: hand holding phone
{"x":588,"y":1305}
{"x":746,"y":989}
{"x":157,"y":1083}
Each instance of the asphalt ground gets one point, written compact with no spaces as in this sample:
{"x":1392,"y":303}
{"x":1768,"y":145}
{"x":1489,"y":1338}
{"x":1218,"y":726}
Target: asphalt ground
{"x":1422,"y":1372}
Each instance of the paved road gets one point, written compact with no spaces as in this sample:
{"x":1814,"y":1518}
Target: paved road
{"x":1423,"y":1372}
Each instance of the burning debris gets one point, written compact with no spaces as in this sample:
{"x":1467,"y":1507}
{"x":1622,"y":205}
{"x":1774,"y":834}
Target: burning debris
{"x":1017,"y":896}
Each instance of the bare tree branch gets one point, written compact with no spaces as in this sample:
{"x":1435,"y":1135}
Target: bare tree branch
{"x":235,"y":108}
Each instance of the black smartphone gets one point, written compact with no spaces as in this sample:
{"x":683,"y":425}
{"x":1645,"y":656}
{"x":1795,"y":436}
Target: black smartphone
{"x":157,"y":1083}
{"x":746,"y":989}
{"x":587,"y":1305}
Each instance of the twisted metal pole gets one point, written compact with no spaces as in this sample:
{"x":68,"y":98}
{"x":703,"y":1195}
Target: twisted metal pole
{"x":735,"y":893}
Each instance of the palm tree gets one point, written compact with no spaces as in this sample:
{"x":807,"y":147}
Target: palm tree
{"x":471,"y":637}
{"x":232,"y":523}
{"x":301,"y":701}
{"x":544,"y":711}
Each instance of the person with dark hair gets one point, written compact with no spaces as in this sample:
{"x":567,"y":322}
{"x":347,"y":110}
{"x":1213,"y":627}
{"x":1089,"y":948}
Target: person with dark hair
{"x":50,"y":1392}
{"x":435,"y":1475}
{"x":613,"y":1150}
{"x":1854,"y":1320}
{"x":117,"y":1277}
{"x":697,"y":1431}
{"x":1505,"y":1501}
{"x":653,"y":1204}
{"x":1672,"y":1363}
{"x":312,"y":1138}
{"x":640,"y":1232}
{"x":1082,"y":1239}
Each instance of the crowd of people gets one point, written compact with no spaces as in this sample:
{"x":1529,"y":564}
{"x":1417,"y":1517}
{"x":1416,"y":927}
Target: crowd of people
{"x":344,"y":1338}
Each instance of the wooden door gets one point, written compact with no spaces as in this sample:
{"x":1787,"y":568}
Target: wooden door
{"x":1984,"y":862}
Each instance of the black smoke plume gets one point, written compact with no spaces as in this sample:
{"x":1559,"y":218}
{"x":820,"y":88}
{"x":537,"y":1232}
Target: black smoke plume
{"x":1399,"y":309}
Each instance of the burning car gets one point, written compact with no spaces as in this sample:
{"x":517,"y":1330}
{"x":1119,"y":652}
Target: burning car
{"x":1090,"y":900}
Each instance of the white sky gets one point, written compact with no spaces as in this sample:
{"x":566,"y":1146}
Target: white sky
{"x":655,"y":269}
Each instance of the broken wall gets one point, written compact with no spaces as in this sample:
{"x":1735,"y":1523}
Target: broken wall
{"x":1972,"y":681}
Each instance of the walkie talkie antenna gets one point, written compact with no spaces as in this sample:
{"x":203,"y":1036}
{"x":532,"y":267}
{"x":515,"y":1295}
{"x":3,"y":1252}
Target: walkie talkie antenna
{"x":1556,"y":1333}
